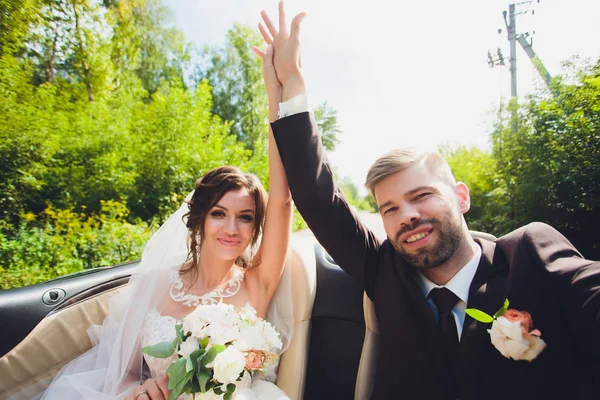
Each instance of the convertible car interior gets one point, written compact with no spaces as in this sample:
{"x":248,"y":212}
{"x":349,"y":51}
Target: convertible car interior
{"x":331,"y":356}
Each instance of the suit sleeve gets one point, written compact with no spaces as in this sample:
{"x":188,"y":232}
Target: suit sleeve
{"x":580,"y":280}
{"x":321,"y":202}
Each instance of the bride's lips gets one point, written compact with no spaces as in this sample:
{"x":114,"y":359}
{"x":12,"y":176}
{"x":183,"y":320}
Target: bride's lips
{"x":229,"y":242}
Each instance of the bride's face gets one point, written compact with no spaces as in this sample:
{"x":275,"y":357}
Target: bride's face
{"x":229,"y":225}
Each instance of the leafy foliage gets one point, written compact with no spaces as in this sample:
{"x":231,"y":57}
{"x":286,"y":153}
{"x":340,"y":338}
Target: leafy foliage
{"x":64,"y":241}
{"x":548,"y":170}
{"x":101,"y":135}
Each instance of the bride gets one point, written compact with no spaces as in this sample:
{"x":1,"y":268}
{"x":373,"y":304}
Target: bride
{"x":227,"y":243}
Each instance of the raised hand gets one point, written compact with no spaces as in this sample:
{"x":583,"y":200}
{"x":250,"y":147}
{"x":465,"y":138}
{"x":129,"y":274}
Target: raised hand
{"x":286,"y":46}
{"x":272,"y":83}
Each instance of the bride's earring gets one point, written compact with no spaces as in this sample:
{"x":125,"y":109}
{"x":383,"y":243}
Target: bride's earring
{"x":198,"y":241}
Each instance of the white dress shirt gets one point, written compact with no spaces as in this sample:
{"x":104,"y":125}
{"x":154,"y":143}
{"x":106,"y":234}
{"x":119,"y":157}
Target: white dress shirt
{"x":459,"y":285}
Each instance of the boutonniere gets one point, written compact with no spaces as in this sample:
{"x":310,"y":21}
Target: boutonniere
{"x":512,"y":332}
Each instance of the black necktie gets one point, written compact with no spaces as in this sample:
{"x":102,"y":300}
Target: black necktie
{"x":445,"y":300}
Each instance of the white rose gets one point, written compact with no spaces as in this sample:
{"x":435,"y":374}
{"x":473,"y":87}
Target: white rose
{"x":195,"y":326}
{"x":272,"y":337}
{"x":228,"y":365}
{"x":512,"y":342}
{"x":536,"y":345}
{"x":222,"y":333}
{"x":189,"y":346}
{"x":211,"y":313}
{"x":248,"y":313}
{"x":251,"y":338}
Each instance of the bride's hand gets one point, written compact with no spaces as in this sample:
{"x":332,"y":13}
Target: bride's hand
{"x":272,"y":84}
{"x":286,"y":43}
{"x":151,"y":389}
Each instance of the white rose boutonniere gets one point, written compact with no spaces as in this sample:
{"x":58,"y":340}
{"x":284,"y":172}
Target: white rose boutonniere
{"x":512,"y":332}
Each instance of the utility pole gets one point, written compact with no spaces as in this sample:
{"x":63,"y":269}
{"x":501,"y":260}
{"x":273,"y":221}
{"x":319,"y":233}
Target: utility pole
{"x":510,"y":21}
{"x":537,"y":63}
{"x":511,"y":29}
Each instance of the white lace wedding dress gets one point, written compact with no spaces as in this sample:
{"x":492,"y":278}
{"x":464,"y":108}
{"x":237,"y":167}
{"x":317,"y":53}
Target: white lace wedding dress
{"x":160,"y":328}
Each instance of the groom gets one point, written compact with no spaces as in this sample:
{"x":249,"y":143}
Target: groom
{"x":429,"y":270}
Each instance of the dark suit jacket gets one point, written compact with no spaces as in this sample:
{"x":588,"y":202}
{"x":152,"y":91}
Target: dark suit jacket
{"x":535,"y":267}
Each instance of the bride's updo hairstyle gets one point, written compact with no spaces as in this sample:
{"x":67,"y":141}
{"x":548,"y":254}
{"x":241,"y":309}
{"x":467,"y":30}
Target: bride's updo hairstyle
{"x":209,"y":189}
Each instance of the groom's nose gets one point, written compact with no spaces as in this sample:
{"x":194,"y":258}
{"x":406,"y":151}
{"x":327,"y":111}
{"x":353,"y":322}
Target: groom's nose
{"x":409,"y":213}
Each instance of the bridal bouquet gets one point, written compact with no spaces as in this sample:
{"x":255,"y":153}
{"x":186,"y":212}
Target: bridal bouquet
{"x":217,"y":345}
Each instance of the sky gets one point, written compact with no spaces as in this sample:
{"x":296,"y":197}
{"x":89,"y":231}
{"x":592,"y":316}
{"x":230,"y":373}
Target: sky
{"x":409,"y":73}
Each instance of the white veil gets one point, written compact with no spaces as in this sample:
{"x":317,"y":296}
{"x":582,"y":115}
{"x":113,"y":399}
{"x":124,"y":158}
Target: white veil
{"x":113,"y":367}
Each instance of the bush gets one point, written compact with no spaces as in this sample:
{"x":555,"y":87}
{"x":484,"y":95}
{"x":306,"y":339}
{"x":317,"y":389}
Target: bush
{"x":67,"y":242}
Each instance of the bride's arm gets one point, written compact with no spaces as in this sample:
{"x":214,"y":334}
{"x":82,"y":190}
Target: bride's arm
{"x":278,"y":219}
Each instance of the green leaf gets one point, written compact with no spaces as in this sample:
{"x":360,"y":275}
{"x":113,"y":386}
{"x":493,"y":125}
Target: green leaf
{"x":179,"y":333}
{"x":181,"y":386}
{"x":159,"y":350}
{"x":218,"y":390}
{"x":211,"y":354}
{"x":195,"y":356}
{"x":203,"y":375}
{"x":189,"y":365}
{"x":176,"y":372}
{"x":193,"y":384}
{"x":204,"y":343}
{"x":227,"y":396}
{"x":501,"y":311}
{"x":479,"y":315}
{"x":179,"y":336}
{"x":197,"y":353}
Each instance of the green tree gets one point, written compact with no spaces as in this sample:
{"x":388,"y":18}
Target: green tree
{"x":477,"y":169}
{"x":354,"y":197}
{"x":550,"y":167}
{"x":145,"y":43}
{"x":239,"y":96}
{"x":234,"y":73}
{"x":326,"y":117}
{"x":16,"y":16}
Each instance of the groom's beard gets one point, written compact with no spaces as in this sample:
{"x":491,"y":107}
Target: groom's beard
{"x":449,"y":237}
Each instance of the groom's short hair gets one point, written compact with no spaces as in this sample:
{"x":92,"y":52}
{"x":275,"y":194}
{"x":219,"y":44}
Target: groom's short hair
{"x":399,"y":160}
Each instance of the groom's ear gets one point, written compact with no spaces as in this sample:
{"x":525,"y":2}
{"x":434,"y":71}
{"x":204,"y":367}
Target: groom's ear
{"x":464,"y":199}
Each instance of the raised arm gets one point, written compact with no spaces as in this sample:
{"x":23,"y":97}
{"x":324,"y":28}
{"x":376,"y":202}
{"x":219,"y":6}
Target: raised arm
{"x":316,"y":194}
{"x":278,"y":221}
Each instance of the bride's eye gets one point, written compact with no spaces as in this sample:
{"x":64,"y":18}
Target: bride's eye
{"x":246,"y":218}
{"x":217,"y":214}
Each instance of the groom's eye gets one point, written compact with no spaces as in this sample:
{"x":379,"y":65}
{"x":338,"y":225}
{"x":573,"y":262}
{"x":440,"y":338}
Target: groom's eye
{"x":422,"y":196}
{"x":390,"y":210}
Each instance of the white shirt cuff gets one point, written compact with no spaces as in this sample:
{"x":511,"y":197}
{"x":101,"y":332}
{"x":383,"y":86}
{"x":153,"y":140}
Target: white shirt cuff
{"x":295,"y":105}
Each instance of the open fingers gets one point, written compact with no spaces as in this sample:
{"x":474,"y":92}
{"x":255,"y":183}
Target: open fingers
{"x":282,"y":23}
{"x":259,"y":52}
{"x":265,"y":34}
{"x":295,"y":30}
{"x":269,"y":23}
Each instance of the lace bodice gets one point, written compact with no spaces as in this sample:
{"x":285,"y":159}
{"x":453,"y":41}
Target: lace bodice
{"x":229,"y":289}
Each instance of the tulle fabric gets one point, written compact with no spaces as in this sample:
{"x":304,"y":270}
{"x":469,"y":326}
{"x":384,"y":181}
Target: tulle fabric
{"x":113,"y":367}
